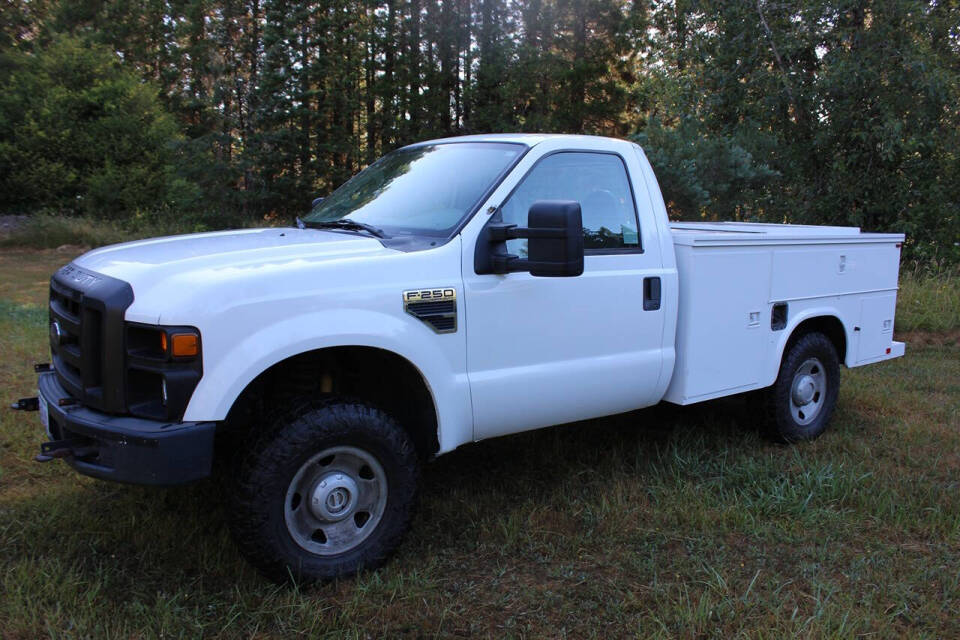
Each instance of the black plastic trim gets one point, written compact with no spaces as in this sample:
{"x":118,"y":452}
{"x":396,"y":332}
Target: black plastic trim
{"x":611,"y":252}
{"x":651,"y":293}
{"x":778,"y":316}
{"x":97,"y":340}
{"x":441,"y":316}
{"x":126,"y":449}
{"x":181,"y":374}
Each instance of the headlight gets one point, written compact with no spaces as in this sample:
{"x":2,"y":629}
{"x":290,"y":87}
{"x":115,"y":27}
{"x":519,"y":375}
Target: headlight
{"x":163,"y":367}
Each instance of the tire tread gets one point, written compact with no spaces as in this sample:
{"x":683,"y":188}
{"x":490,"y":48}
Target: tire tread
{"x":775,"y":404}
{"x":295,"y":433}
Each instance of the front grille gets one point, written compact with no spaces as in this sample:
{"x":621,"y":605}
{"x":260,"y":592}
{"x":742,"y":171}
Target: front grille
{"x":74,"y":340}
{"x":86,"y":336}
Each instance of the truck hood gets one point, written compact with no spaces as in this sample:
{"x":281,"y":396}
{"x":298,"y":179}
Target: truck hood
{"x":175,"y":268}
{"x":247,"y":248}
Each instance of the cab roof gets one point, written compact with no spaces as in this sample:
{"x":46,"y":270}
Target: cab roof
{"x":528,"y":139}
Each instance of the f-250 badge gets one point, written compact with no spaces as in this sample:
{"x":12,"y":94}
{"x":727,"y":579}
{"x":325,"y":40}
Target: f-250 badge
{"x":435,"y":307}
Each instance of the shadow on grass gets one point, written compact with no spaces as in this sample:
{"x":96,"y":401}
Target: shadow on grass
{"x":133,"y":537}
{"x":632,"y":441}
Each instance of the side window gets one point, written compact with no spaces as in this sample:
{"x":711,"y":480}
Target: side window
{"x":598,"y":181}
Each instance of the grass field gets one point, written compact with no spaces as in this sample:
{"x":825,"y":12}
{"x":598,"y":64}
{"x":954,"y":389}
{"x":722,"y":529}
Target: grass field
{"x":660,"y":523}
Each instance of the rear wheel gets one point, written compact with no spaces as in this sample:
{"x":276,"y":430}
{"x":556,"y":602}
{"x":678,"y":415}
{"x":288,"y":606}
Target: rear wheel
{"x":802,"y":400}
{"x":327,"y":493}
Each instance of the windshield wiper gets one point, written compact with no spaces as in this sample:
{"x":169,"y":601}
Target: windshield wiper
{"x":344,"y":223}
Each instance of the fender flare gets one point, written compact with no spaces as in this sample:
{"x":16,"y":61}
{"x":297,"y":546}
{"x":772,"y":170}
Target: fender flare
{"x":240,"y":364}
{"x":813,"y":313}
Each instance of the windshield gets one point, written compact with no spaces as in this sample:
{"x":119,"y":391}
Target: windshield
{"x":425,"y":190}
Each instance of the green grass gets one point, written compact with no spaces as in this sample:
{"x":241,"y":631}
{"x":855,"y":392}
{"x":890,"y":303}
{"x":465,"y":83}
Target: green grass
{"x":26,"y":273}
{"x":669,"y":522}
{"x":929,"y":299}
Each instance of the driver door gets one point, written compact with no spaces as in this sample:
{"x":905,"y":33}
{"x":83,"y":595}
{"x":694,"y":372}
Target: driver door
{"x":544,"y":351}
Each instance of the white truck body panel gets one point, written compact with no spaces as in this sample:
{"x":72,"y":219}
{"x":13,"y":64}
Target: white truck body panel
{"x":544,"y":351}
{"x":450,"y":293}
{"x":290,"y":291}
{"x":731,"y":276}
{"x":529,"y":351}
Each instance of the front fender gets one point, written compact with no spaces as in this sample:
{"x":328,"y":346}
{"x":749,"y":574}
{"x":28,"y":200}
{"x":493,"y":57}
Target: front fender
{"x":439,"y":359}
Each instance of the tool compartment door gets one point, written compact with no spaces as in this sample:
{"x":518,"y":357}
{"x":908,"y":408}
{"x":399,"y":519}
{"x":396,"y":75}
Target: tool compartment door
{"x":875,"y":335}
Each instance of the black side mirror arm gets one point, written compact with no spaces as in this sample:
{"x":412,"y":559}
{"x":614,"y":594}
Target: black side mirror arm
{"x":491,"y":255}
{"x":502,"y":232}
{"x":503,"y":262}
{"x":507,"y":262}
{"x":553,"y":222}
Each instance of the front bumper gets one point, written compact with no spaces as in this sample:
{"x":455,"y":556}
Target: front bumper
{"x":126,"y":449}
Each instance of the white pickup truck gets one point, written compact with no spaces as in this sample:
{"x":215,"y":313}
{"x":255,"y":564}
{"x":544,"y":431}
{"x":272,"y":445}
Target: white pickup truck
{"x":455,"y":290}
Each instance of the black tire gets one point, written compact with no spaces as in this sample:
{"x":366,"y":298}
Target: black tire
{"x":788,"y":418}
{"x":265,"y":524}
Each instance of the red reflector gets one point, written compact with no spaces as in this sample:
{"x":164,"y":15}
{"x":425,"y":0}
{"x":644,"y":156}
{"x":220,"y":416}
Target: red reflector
{"x":899,"y":244}
{"x":888,"y":349}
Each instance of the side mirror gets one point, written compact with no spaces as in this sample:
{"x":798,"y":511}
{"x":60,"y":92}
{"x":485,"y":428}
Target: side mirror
{"x":315,"y":202}
{"x":555,"y":242}
{"x":555,"y":232}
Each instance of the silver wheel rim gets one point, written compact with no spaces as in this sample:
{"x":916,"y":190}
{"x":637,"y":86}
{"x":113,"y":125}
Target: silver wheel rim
{"x":807,"y":391}
{"x":335,"y":500}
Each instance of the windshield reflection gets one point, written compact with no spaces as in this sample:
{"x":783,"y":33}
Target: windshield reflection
{"x":426,"y":189}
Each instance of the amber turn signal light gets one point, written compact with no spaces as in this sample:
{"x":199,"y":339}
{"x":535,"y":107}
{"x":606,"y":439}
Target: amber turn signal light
{"x":163,"y":341}
{"x":184,"y":344}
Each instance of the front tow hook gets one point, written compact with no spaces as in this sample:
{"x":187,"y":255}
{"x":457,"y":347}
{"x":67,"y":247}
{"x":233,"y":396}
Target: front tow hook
{"x":26,"y":404}
{"x":68,"y":448}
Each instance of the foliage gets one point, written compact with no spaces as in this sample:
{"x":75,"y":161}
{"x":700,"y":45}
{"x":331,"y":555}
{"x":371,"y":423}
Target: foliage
{"x":819,"y":111}
{"x":929,"y":298}
{"x":852,"y":104}
{"x":705,"y":176}
{"x":78,"y":132}
{"x":48,"y":229}
{"x":281,"y":101}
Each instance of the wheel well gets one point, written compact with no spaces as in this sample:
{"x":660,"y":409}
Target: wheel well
{"x":380,"y":377}
{"x":829,"y":326}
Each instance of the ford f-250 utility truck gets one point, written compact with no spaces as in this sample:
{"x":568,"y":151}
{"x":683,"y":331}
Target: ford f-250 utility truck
{"x":453,"y":291}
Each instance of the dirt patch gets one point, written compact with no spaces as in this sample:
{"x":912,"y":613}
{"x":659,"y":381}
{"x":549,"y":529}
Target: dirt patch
{"x":930,"y":338}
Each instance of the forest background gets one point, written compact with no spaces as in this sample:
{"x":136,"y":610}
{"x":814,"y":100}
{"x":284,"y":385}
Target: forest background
{"x":204,"y":114}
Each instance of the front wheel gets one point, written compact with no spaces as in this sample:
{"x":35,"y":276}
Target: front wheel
{"x":327,"y":493}
{"x":801,"y":401}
